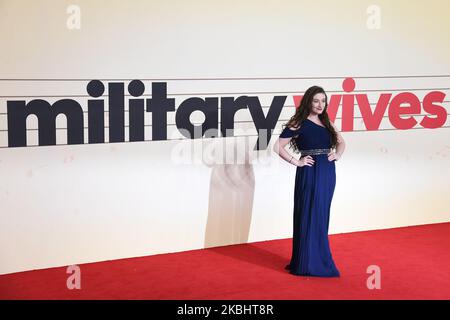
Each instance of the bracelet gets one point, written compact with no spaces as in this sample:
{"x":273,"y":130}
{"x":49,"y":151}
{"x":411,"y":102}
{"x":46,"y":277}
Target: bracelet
{"x":291,"y":159}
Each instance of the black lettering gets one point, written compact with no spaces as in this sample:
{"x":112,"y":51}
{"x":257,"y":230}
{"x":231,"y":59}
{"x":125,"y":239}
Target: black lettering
{"x":228,"y":108}
{"x":209,"y":107}
{"x":265,"y":125}
{"x":136,"y":111}
{"x":18,"y":112}
{"x":159,"y":105}
{"x":96,"y":112}
{"x":116,"y":112}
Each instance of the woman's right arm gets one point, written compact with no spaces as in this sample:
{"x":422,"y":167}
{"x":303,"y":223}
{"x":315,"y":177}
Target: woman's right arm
{"x":279,"y":148}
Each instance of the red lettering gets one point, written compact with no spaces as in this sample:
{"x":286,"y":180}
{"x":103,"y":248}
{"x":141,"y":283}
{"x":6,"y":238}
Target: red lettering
{"x":396,"y":110}
{"x":372,"y":121}
{"x":439,"y":111}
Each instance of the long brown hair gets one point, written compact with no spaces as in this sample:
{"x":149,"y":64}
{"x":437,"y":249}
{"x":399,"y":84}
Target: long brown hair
{"x":303,"y":112}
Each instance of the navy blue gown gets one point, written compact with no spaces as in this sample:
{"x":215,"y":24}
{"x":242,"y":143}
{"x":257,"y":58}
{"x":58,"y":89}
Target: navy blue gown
{"x":314,"y":188}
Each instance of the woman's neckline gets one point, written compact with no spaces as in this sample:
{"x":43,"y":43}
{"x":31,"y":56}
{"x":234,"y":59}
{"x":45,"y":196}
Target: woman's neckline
{"x":316,"y":123}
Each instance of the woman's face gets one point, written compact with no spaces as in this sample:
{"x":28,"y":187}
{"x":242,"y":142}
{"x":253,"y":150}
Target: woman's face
{"x":318,"y":103}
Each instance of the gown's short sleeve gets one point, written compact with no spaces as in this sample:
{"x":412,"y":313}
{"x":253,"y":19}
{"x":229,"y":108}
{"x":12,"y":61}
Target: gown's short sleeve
{"x":288,"y":133}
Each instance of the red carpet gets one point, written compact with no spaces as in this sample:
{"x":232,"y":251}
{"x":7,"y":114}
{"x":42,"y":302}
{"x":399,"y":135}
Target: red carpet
{"x":414,"y":264}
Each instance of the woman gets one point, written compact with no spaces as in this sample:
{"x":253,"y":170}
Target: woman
{"x":311,"y":133}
